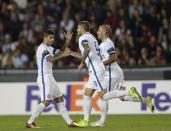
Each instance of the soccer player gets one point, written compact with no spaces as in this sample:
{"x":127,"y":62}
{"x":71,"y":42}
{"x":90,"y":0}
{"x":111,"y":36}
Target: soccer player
{"x":90,"y":56}
{"x":49,"y":90}
{"x":114,"y":78}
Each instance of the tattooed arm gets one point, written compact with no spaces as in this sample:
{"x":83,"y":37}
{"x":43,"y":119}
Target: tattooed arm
{"x":112,"y":58}
{"x":76,"y":55}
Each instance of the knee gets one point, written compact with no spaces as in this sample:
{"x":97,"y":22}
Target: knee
{"x":59,"y":99}
{"x":121,"y":98}
{"x":46,"y":102}
{"x":122,"y":88}
{"x":89,"y":92}
{"x":102,"y":93}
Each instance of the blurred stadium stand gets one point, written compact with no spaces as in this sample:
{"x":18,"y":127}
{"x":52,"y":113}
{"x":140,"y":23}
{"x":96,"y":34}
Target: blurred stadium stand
{"x":141,"y":32}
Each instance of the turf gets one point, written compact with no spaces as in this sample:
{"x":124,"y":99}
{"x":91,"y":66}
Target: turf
{"x":114,"y":123}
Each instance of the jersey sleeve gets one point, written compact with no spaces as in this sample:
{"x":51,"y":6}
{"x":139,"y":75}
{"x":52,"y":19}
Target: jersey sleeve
{"x":111,"y":48}
{"x":55,"y":50}
{"x":84,"y":41}
{"x":46,"y":53}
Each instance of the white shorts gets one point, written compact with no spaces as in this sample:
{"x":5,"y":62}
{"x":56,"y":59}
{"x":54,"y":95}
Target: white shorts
{"x":114,"y":83}
{"x":49,"y":89}
{"x":96,"y":81}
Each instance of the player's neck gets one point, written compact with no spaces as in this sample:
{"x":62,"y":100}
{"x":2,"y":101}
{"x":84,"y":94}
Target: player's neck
{"x":44,"y":42}
{"x":105,"y":38}
{"x":84,"y":32}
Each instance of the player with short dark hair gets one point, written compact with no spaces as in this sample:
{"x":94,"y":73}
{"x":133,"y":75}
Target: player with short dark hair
{"x":46,"y":55}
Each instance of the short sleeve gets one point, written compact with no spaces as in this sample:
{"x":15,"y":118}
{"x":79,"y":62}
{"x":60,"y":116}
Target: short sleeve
{"x":55,"y":50}
{"x":46,"y":53}
{"x":111,"y":50}
{"x":84,"y":41}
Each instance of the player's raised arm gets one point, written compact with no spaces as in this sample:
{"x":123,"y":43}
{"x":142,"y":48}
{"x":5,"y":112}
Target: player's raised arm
{"x":68,"y":36}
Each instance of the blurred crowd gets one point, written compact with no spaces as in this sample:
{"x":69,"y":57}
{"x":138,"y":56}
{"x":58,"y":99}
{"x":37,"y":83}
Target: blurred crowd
{"x":141,"y":29}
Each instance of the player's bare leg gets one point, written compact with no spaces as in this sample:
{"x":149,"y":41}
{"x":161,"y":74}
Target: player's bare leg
{"x":87,"y":107}
{"x":31,"y":122}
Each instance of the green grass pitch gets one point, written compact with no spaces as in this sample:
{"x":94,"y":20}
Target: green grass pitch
{"x":114,"y":123}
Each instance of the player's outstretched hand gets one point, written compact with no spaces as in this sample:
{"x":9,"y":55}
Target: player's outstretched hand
{"x":66,"y":52}
{"x":68,"y":35}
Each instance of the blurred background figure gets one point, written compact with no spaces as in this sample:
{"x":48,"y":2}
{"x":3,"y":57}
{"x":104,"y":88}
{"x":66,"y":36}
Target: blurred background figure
{"x":140,"y":29}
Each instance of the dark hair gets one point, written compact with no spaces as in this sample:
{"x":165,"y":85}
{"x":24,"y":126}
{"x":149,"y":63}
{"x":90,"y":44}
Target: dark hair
{"x":85,"y":25}
{"x":48,"y":32}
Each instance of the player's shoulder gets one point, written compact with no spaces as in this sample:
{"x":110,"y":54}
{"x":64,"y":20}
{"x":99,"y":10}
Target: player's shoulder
{"x":41,"y":48}
{"x":51,"y":48}
{"x":109,"y":42}
{"x":84,"y":36}
{"x":106,"y":42}
{"x":102,"y":45}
